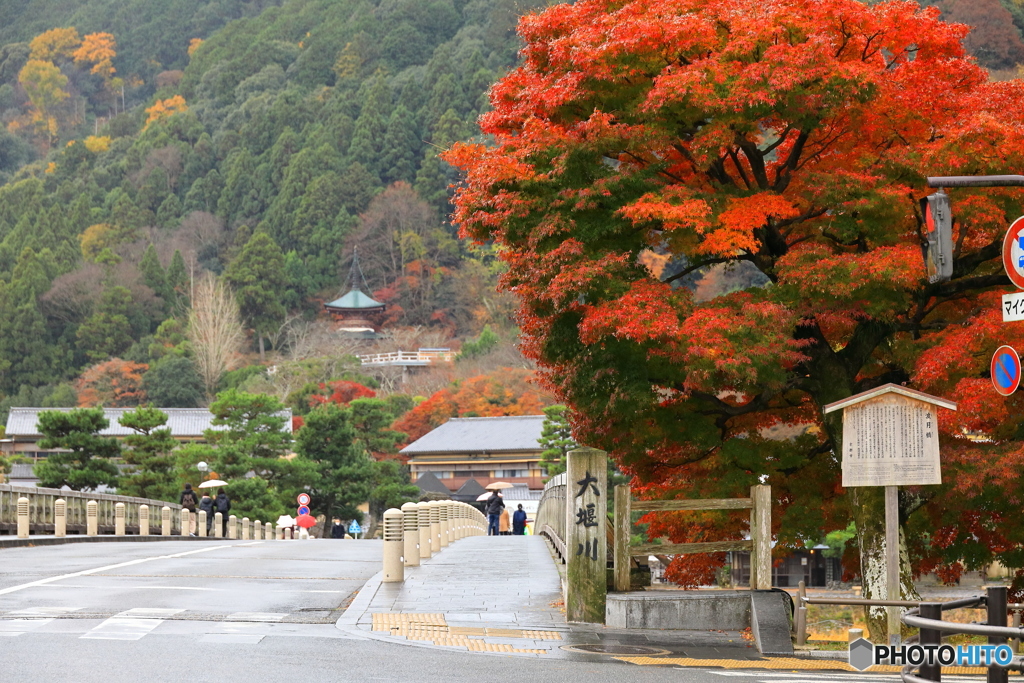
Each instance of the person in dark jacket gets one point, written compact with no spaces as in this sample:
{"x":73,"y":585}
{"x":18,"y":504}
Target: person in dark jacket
{"x":222,"y":505}
{"x":206,"y":505}
{"x":188,"y":501}
{"x":338,"y":529}
{"x":519,"y":522}
{"x":493,"y":508}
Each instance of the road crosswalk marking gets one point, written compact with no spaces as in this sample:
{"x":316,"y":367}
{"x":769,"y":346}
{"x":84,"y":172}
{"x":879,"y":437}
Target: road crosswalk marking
{"x":123,"y":628}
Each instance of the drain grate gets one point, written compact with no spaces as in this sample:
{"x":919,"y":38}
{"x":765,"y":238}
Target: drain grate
{"x":632,"y":650}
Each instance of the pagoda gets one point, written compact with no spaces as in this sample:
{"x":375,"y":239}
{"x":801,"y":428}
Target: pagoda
{"x":356,"y":311}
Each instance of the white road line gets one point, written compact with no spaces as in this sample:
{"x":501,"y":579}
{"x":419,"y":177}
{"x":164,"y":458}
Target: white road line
{"x":43,"y":582}
{"x":18,"y":626}
{"x":256,"y":616}
{"x":42,"y":611}
{"x":123,"y":628}
{"x":231,"y":638}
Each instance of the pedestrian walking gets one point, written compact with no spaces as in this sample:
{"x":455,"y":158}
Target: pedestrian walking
{"x":504,"y":525}
{"x":519,"y":522}
{"x":206,"y":505}
{"x":337,"y":529}
{"x":188,"y":501}
{"x":223,"y":506}
{"x":493,"y":508}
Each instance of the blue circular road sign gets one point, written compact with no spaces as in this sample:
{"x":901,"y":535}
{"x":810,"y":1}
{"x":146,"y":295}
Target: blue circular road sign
{"x":1005,"y":370}
{"x":303,"y":510}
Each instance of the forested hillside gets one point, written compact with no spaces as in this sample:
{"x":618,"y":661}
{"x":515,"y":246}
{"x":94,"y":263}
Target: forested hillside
{"x":146,"y":143}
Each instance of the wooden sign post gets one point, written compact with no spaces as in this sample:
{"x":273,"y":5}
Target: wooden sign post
{"x":891,"y":439}
{"x":586,"y":544}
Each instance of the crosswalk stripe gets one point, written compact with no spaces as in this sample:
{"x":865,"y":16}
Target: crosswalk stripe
{"x":123,"y":628}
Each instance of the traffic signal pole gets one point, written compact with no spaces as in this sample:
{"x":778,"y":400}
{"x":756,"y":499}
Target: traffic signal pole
{"x":976,"y":181}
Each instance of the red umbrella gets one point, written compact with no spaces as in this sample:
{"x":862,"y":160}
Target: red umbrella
{"x":306,"y":521}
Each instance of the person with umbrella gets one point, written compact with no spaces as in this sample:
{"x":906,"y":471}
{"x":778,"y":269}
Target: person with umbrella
{"x":493,"y":508}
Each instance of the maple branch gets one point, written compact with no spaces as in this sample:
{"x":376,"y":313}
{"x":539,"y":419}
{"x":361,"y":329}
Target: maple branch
{"x":739,"y":167}
{"x":784,"y":173}
{"x":755,"y":158}
{"x":782,"y":138}
{"x":966,"y":284}
{"x":710,"y":262}
{"x":967,"y":264}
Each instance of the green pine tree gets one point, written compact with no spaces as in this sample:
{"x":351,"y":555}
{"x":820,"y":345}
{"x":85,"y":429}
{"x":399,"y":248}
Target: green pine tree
{"x":79,"y":459}
{"x":258,"y":278}
{"x":149,"y":452}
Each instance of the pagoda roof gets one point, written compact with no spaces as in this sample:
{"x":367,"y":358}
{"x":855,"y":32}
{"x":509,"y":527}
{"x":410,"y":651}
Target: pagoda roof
{"x":355,"y":300}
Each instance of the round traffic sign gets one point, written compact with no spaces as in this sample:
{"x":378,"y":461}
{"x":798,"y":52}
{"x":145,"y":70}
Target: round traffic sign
{"x":1005,"y":370}
{"x":1013,"y":253}
{"x":303,"y":499}
{"x":303,"y":510}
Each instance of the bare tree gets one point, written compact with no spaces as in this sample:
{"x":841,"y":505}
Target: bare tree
{"x":215,"y":330}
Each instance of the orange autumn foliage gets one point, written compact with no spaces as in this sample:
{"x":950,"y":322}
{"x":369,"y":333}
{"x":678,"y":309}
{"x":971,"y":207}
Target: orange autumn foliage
{"x":115,"y":383}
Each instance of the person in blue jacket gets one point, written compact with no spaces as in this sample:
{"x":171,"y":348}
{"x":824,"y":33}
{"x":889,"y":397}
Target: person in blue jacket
{"x":519,"y":522}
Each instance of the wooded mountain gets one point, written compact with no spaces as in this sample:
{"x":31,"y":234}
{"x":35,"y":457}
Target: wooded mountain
{"x":145,"y":142}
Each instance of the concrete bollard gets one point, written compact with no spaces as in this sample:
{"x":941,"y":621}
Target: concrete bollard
{"x":461,"y":515}
{"x":303,"y":534}
{"x":60,"y":518}
{"x":201,"y":523}
{"x":245,"y":528}
{"x":269,"y":531}
{"x":394,"y":546}
{"x":23,"y":517}
{"x":143,"y":520}
{"x":186,"y":522}
{"x":257,"y":531}
{"x":165,"y":521}
{"x":218,"y":525}
{"x":288,"y":534}
{"x":446,"y":526}
{"x":424,"y":531}
{"x":411,"y":534}
{"x":435,"y":526}
{"x":232,"y":528}
{"x":92,"y":520}
{"x":853,"y":634}
{"x":119,"y":519}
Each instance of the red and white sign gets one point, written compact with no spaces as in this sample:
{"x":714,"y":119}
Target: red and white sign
{"x":1005,"y":370}
{"x":1013,"y":253}
{"x":303,"y":499}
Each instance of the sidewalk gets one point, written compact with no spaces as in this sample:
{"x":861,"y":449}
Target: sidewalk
{"x":503,"y":595}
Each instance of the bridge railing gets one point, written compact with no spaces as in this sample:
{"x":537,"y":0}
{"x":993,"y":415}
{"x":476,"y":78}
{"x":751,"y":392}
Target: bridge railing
{"x":41,"y":510}
{"x":419,"y":357}
{"x":551,"y":513}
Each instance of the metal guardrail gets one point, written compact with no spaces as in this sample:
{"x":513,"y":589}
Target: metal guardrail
{"x":551,"y":513}
{"x":41,"y":510}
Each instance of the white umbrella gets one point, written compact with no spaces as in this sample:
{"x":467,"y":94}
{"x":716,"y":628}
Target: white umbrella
{"x":213,"y":483}
{"x":495,"y":486}
{"x":285,"y":521}
{"x":485,"y":496}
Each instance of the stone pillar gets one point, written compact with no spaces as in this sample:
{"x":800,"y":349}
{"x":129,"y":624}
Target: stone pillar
{"x":92,"y":520}
{"x":218,"y":525}
{"x":444,"y":515}
{"x":434,"y":507}
{"x":119,"y":519}
{"x":245,"y":528}
{"x":165,"y":521}
{"x":586,"y":543}
{"x":201,"y":523}
{"x":257,"y":530}
{"x":424,"y":530}
{"x":288,"y":533}
{"x":23,"y":517}
{"x":411,"y":534}
{"x":232,"y":528}
{"x":143,"y":520}
{"x":186,"y":522}
{"x":60,"y":518}
{"x":269,"y":531}
{"x":394,"y":546}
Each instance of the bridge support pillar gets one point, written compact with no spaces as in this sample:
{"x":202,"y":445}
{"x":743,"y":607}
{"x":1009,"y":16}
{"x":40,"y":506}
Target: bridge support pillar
{"x":60,"y":518}
{"x":165,"y":521}
{"x":92,"y":521}
{"x":394,"y":546}
{"x":23,"y":517}
{"x":119,"y":519}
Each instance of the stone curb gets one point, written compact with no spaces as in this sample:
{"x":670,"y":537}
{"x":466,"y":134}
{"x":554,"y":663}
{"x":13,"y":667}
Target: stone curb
{"x":53,"y":540}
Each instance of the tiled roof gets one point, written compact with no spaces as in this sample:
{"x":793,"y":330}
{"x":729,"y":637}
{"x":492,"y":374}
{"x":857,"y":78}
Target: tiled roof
{"x":183,"y":422}
{"x":481,"y":435}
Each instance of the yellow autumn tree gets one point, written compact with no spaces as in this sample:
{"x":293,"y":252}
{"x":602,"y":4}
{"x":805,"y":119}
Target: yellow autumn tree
{"x":193,"y":45}
{"x":97,"y":144}
{"x":44,"y":84}
{"x":95,"y":239}
{"x":164,"y":108}
{"x":55,"y":44}
{"x":98,"y":50}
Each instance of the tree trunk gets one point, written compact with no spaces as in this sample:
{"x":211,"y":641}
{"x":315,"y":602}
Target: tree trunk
{"x":868,"y":504}
{"x":261,"y":347}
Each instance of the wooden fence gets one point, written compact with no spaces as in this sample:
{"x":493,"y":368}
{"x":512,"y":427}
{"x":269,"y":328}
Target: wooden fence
{"x":759,"y":545}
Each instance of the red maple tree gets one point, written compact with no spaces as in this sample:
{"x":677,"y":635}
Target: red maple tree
{"x":788,"y":140}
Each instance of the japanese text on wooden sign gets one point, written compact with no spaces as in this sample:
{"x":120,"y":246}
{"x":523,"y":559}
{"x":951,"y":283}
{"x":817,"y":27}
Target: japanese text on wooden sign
{"x":891,"y":440}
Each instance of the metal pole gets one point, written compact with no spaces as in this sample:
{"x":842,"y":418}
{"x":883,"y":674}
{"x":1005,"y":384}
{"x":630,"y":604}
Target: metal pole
{"x":996,"y":617}
{"x":931,"y":610}
{"x":892,"y":560}
{"x":976,"y":181}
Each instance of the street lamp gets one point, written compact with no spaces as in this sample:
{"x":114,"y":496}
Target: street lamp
{"x":203,"y":467}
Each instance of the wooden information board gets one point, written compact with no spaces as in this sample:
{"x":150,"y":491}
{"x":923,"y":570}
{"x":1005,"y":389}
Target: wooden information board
{"x":891,"y":440}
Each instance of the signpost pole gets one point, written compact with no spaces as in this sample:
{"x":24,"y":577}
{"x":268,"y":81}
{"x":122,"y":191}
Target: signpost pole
{"x":892,"y":560}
